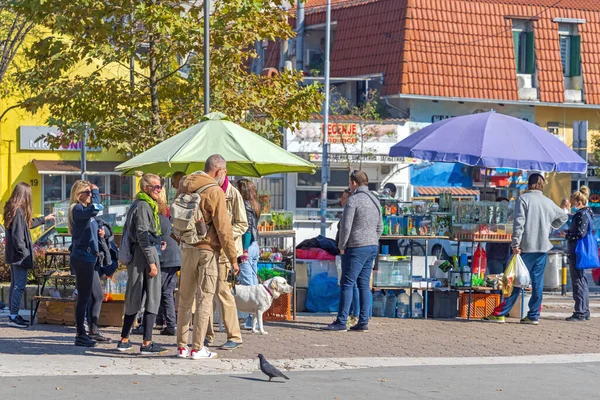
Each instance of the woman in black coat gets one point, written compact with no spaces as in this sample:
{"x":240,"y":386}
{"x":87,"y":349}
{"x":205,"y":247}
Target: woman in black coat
{"x":19,"y":246}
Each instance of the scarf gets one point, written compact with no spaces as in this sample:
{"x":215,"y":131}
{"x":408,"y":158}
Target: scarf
{"x":154,"y":206}
{"x":225,"y":184}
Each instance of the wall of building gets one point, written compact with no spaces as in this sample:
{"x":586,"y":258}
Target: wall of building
{"x":564,"y":117}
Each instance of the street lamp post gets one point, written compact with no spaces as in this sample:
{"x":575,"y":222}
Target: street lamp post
{"x":206,"y":56}
{"x":325,"y":158}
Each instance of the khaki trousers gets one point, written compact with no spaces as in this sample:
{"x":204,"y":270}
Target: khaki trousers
{"x":229,"y":311}
{"x":199,"y":274}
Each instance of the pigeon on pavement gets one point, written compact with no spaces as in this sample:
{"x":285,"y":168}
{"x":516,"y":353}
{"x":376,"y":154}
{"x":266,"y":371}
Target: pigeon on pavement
{"x":270,"y":370}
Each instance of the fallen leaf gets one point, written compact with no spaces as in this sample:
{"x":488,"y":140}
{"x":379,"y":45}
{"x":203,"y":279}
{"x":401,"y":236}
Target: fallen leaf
{"x":136,"y":383}
{"x":499,"y":390}
{"x":382,"y":380}
{"x":58,"y":388}
{"x":104,"y":366}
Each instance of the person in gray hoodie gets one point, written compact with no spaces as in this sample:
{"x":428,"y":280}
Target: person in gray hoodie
{"x":358,"y":242}
{"x":535,"y":217}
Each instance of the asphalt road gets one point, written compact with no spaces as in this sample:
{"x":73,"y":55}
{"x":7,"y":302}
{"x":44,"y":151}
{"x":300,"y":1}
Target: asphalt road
{"x":532,"y":381}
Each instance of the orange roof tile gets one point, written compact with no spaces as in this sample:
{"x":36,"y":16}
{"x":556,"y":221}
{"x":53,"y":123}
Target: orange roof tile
{"x":457,"y":48}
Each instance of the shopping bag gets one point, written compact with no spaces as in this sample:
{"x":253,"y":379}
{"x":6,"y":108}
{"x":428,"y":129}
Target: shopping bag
{"x":522,"y":278}
{"x":586,"y":251}
{"x":508,"y":279}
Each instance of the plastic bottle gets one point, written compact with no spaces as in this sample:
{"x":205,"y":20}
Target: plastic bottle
{"x":378,"y":304}
{"x":480,"y":261}
{"x":402,"y":305}
{"x":390,"y":304}
{"x":417,"y":305}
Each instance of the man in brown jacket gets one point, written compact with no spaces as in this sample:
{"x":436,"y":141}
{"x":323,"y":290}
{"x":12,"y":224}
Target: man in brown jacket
{"x":217,"y":168}
{"x":200,"y":265}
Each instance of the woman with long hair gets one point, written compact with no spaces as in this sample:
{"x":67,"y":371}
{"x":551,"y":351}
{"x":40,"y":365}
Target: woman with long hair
{"x":19,"y":246}
{"x":143,"y":272}
{"x":580,"y":227}
{"x":85,"y":251}
{"x":249,"y":260}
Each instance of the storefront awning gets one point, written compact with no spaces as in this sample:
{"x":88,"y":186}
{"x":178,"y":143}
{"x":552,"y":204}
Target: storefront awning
{"x":435,"y":191}
{"x":74,"y":167}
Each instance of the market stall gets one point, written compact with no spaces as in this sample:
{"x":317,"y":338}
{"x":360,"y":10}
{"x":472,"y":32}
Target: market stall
{"x":486,"y":140}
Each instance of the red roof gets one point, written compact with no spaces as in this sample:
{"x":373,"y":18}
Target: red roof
{"x":458,"y":48}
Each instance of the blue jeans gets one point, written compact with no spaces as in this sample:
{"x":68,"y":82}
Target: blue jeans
{"x":536,"y":264}
{"x":357,"y":265}
{"x":355,"y":306}
{"x":18,"y":281}
{"x":249,"y":269}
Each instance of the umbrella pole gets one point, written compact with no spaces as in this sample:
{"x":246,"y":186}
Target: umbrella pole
{"x":485,"y":180}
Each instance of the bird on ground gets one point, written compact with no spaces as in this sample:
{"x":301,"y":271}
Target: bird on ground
{"x":270,"y":370}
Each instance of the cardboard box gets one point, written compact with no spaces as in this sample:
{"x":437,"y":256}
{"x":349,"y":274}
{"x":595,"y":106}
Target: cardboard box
{"x":56,"y":313}
{"x":111,"y":313}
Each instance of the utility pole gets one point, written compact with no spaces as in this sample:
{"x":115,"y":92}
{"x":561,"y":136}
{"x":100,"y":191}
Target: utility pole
{"x":325,"y":158}
{"x":206,"y":56}
{"x":84,"y":152}
{"x":300,"y":35}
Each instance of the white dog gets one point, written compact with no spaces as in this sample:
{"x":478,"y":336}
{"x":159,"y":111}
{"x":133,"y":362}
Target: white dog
{"x":257,"y":299}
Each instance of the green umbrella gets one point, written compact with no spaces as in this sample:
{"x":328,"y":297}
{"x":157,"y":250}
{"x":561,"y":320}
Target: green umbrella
{"x":247,"y":154}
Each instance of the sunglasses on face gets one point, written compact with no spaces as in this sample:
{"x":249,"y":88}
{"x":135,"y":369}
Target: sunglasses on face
{"x":86,"y":192}
{"x":156,"y":188}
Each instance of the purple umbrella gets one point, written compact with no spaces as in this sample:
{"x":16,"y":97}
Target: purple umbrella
{"x":491,"y":140}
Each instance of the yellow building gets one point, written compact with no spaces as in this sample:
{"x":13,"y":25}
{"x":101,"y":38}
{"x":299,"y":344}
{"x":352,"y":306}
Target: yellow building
{"x":51,"y":173}
{"x":559,"y":121}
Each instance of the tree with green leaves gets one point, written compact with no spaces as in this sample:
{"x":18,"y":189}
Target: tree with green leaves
{"x":133,"y":70}
{"x":14,"y":28}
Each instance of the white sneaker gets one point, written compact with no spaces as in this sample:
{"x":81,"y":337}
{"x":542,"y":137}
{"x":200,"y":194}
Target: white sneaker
{"x":202,"y":354}
{"x":183,"y":352}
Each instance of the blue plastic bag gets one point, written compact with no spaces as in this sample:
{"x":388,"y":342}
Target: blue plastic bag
{"x":323,"y":294}
{"x":586,"y":252}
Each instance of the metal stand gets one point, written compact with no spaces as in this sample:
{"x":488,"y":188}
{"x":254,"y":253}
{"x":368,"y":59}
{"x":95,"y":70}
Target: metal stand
{"x":286,"y":235}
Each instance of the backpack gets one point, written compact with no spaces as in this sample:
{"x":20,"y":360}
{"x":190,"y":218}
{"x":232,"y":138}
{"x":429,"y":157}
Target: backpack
{"x":186,"y":214}
{"x":125,"y":248}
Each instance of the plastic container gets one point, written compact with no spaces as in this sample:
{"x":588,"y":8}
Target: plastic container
{"x":390,"y":304}
{"x":402,"y":305}
{"x":378,"y":304}
{"x":417,"y":305}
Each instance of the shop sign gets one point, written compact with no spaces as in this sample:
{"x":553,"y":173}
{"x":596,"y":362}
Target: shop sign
{"x":355,"y":158}
{"x":348,"y":133}
{"x":29,"y":136}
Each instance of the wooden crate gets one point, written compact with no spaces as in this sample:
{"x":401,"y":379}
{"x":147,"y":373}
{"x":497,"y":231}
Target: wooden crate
{"x":482,"y":304}
{"x":281,"y":309}
{"x":56,"y":312}
{"x":111,"y":313}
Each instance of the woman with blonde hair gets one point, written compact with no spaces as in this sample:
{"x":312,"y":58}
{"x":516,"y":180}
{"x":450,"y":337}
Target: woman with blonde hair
{"x":19,"y":247}
{"x":85,"y":251}
{"x":579,"y":229}
{"x":143,"y":272}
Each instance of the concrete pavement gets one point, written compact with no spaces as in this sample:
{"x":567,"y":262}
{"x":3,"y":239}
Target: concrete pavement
{"x":553,"y":381}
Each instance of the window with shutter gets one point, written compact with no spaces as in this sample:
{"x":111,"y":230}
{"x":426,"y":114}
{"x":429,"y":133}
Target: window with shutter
{"x":575,"y":56}
{"x":529,"y":53}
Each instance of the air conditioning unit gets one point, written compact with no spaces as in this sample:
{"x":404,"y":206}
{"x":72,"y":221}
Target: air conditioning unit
{"x":525,"y":81}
